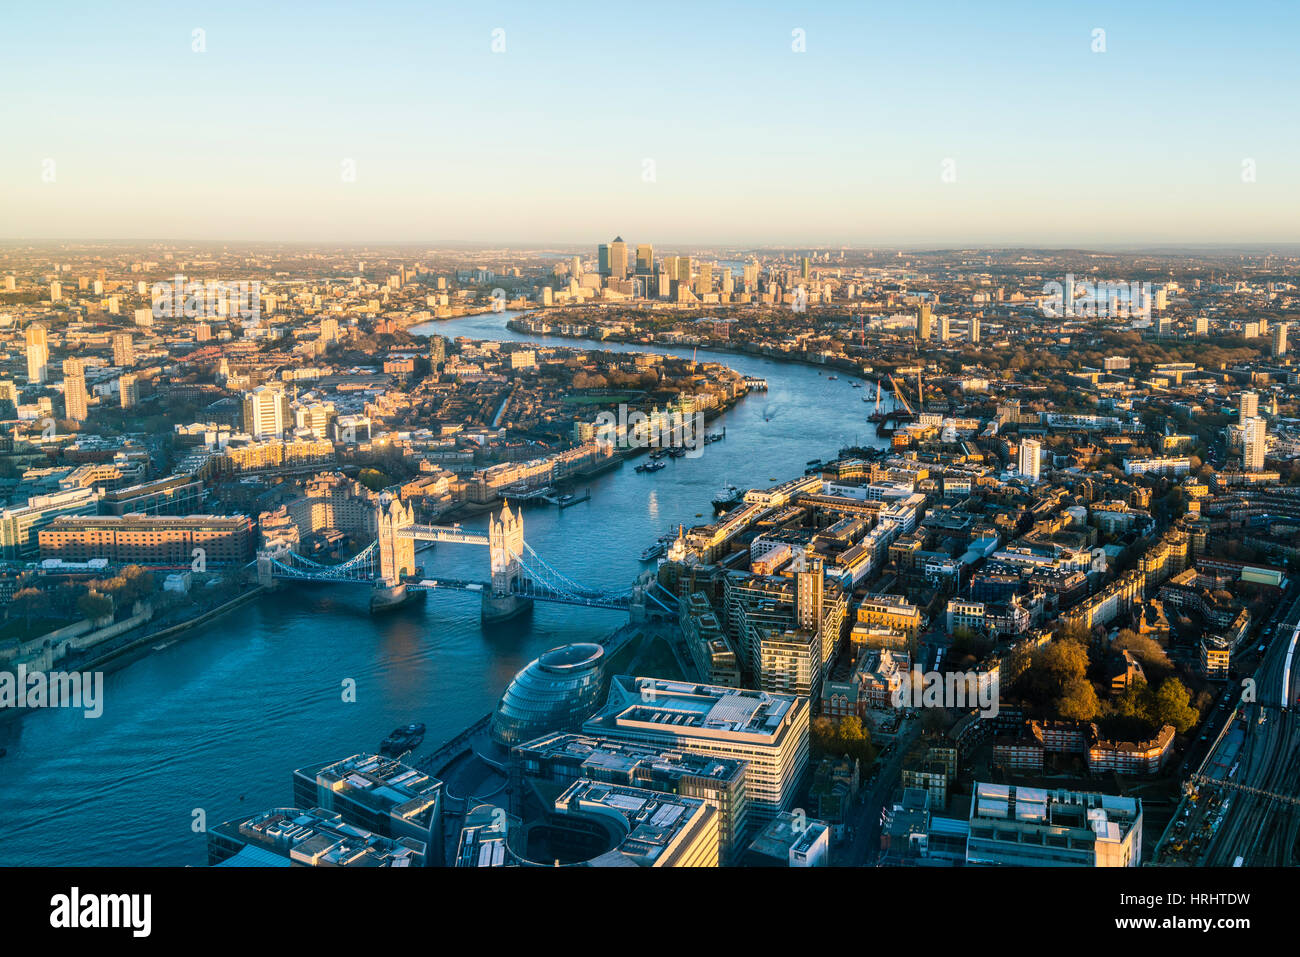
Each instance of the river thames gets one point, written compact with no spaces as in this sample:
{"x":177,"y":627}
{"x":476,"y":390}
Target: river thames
{"x":219,"y":720}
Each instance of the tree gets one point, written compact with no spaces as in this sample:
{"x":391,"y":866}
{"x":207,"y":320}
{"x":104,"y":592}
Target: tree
{"x":373,"y":479}
{"x":1171,"y":705}
{"x":1078,"y":701}
{"x":94,"y":605}
{"x":30,"y":602}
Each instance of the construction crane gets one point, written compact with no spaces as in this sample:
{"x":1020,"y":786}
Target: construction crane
{"x":898,"y":394}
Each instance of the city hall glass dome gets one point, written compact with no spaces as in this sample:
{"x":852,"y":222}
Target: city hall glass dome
{"x":556,"y":692}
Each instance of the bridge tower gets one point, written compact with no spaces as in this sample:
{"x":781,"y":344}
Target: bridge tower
{"x":396,"y":553}
{"x":505,"y":544}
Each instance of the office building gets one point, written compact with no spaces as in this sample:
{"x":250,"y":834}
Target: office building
{"x":377,"y":793}
{"x":20,"y":527}
{"x":645,"y":260}
{"x":148,"y":539}
{"x":769,"y":731}
{"x":297,"y":837}
{"x":1032,"y":827}
{"x":541,"y":769}
{"x":266,"y":412}
{"x":594,"y":824}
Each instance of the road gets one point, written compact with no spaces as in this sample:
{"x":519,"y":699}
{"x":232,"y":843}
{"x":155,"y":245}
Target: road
{"x":865,"y":817}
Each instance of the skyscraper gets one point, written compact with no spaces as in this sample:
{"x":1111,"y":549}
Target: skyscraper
{"x":1279,"y":339}
{"x":1030,"y":453}
{"x":123,"y":351}
{"x":129,"y":390}
{"x":975,"y":330}
{"x":923,"y":322}
{"x":1253,"y":445}
{"x":704,"y":282}
{"x":602,"y":259}
{"x":1247,"y":407}
{"x":618,"y":258}
{"x":74,"y":390}
{"x":38,"y":355}
{"x":645,"y":260}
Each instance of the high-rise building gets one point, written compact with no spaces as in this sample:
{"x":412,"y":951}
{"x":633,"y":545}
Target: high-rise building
{"x":945,"y":328}
{"x":602,"y":259}
{"x":618,"y":258}
{"x":74,"y":389}
{"x":1031,"y":451}
{"x":56,"y":291}
{"x":645,"y":260}
{"x":266,"y":412}
{"x":805,"y":269}
{"x":975,"y":330}
{"x":1248,"y":406}
{"x":123,"y":350}
{"x":38,"y":355}
{"x":1279,"y":339}
{"x":923,"y":322}
{"x":129,"y":390}
{"x":575,"y":267}
{"x":1254,"y":437}
{"x":704,"y":281}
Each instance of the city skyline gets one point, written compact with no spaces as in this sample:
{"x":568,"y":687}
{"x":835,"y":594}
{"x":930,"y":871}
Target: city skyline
{"x":827,"y":127}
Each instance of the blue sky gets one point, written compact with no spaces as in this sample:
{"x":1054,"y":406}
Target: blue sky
{"x":751,"y":142}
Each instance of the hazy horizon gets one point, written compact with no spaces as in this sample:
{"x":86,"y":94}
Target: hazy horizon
{"x":935,"y":126}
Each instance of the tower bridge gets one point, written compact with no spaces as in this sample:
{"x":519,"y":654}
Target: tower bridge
{"x":517,"y":575}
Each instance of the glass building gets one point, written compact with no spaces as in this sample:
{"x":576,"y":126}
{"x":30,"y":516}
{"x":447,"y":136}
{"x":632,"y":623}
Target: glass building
{"x":556,"y":692}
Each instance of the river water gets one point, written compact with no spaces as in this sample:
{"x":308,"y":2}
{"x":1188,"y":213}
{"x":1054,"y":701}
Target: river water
{"x":218,"y":721}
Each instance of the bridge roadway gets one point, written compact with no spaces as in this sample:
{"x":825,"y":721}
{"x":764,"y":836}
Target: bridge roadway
{"x":452,"y":534}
